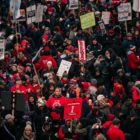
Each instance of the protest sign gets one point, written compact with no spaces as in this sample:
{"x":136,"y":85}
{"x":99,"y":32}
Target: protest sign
{"x":2,"y":48}
{"x":22,"y":15}
{"x":124,"y":12}
{"x":15,"y":8}
{"x":31,"y":14}
{"x":73,"y":4}
{"x":72,"y":108}
{"x":106,"y":17}
{"x":136,"y":5}
{"x":64,"y":67}
{"x":102,"y":27}
{"x":87,"y":20}
{"x":39,"y":13}
{"x":82,"y":50}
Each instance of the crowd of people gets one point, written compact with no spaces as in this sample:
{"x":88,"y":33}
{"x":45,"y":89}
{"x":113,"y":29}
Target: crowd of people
{"x":108,"y":82}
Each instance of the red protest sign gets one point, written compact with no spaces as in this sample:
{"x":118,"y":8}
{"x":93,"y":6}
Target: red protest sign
{"x":82,"y":50}
{"x":72,"y":108}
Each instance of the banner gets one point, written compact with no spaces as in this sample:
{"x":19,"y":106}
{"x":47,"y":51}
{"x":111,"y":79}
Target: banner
{"x":64,"y":67}
{"x":87,"y":20}
{"x":20,"y":102}
{"x":6,"y":96}
{"x":136,"y":5}
{"x":106,"y":17}
{"x":73,"y":4}
{"x":72,"y":108}
{"x":124,"y":12}
{"x":31,"y":17}
{"x":15,"y":8}
{"x":39,"y":13}
{"x":2,"y":48}
{"x":82,"y":50}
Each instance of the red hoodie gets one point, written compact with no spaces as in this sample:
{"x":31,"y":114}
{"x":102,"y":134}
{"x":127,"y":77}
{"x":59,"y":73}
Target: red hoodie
{"x":43,"y":61}
{"x":115,"y":133}
{"x":135,"y":94}
{"x":133,"y":60}
{"x":54,"y":102}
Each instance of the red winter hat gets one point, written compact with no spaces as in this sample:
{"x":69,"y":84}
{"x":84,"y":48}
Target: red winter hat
{"x":85,"y":85}
{"x":24,"y":42}
{"x":46,"y":49}
{"x":110,"y":117}
{"x":69,"y":48}
{"x":45,"y":37}
{"x":50,"y":10}
{"x":118,"y":87}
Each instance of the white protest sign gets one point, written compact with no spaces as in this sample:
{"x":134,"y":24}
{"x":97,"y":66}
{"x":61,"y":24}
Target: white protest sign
{"x":136,"y":5}
{"x":39,"y":13}
{"x":31,"y":14}
{"x":73,"y":4}
{"x":124,"y":12}
{"x":2,"y":48}
{"x":64,"y":67}
{"x":106,"y":17}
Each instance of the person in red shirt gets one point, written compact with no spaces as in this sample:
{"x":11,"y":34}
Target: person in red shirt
{"x":19,"y":88}
{"x":118,"y":90}
{"x":44,"y":60}
{"x":67,"y":131}
{"x":114,"y":132}
{"x":135,"y":92}
{"x":133,"y":60}
{"x":56,"y":103}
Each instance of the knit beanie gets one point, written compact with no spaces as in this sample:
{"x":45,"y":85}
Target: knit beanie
{"x":28,"y":125}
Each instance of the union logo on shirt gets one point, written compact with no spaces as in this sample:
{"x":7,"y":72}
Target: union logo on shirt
{"x":56,"y":103}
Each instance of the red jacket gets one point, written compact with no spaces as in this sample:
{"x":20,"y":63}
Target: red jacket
{"x":54,"y":102}
{"x":115,"y":133}
{"x":107,"y":124}
{"x":135,"y":94}
{"x":133,"y":60}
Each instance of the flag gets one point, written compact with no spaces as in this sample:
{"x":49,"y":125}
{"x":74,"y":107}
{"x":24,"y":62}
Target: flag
{"x":72,"y":108}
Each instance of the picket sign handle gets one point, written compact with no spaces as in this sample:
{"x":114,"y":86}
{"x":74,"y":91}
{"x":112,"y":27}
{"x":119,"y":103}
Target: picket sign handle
{"x":16,"y":32}
{"x":37,"y":76}
{"x":126,"y":28}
